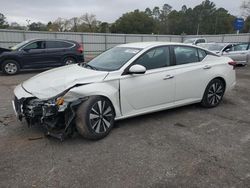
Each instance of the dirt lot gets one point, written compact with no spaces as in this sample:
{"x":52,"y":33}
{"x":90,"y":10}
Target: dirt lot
{"x":184,"y":147}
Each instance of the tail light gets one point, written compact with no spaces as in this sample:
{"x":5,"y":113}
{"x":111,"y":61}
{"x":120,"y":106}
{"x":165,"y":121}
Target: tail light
{"x":232,"y":63}
{"x":80,"y":49}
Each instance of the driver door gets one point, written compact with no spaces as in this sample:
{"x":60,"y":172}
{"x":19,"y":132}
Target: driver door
{"x":151,"y":90}
{"x":33,"y":55}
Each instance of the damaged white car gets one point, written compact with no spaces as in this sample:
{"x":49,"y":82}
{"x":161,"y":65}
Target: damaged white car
{"x":125,"y":81}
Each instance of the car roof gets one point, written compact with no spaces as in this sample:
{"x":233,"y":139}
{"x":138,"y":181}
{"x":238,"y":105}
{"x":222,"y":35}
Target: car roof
{"x":143,"y":45}
{"x":45,"y":39}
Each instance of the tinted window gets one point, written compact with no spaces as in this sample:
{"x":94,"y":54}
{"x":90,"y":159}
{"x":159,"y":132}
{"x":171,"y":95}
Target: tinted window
{"x":58,"y":44}
{"x":200,"y":41}
{"x":202,"y":54}
{"x":35,"y":45}
{"x":184,"y":55}
{"x":155,"y":58}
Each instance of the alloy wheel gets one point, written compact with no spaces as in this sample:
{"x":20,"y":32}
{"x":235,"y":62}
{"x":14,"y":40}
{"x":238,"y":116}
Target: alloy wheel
{"x":215,"y":93}
{"x":101,"y":116}
{"x":10,"y":68}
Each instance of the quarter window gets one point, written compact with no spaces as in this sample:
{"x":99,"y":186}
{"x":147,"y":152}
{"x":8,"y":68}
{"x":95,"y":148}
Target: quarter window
{"x":184,"y":55}
{"x":155,"y":58}
{"x":58,"y":44}
{"x":202,"y":54}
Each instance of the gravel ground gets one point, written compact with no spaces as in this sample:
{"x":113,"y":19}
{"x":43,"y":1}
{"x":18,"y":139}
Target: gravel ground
{"x":184,"y":147}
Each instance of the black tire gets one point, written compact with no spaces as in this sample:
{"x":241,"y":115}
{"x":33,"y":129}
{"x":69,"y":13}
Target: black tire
{"x":95,"y":118}
{"x":213,"y":94}
{"x":69,"y":61}
{"x":10,"y":67}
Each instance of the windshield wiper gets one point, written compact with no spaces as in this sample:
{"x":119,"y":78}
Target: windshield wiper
{"x":90,"y":66}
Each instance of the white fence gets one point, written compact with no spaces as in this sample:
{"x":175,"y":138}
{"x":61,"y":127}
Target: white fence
{"x":95,"y":43}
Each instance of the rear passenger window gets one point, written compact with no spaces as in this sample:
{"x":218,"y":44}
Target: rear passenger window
{"x":185,"y":54}
{"x":58,"y":44}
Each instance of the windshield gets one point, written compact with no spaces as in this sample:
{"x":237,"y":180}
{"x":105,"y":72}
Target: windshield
{"x":19,"y":45}
{"x":213,"y":47}
{"x":113,"y":59}
{"x":189,"y":41}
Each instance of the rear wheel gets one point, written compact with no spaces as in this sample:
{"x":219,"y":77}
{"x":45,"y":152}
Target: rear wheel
{"x":95,"y":118}
{"x":10,"y":67}
{"x":69,"y":61}
{"x":213,"y":93}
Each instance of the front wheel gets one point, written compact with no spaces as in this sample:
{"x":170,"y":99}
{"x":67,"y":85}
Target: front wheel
{"x":95,"y":118}
{"x":213,"y":93}
{"x":10,"y":67}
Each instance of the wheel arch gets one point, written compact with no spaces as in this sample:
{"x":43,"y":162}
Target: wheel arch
{"x":222,"y":79}
{"x":68,"y":56}
{"x":13,"y":59}
{"x":106,"y":90}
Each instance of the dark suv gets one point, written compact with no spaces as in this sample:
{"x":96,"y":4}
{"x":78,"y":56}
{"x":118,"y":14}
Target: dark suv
{"x":40,"y":53}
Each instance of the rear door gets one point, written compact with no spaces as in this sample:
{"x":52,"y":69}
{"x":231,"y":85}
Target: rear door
{"x":56,"y":50}
{"x":191,"y":74}
{"x":33,"y":54}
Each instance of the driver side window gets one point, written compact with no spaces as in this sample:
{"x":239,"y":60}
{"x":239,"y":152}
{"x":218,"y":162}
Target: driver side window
{"x":155,"y":58}
{"x":35,"y":45}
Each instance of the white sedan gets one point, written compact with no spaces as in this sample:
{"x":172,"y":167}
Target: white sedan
{"x":125,"y":81}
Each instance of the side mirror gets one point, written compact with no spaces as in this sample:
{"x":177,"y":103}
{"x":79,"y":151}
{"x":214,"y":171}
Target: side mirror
{"x":137,"y":69}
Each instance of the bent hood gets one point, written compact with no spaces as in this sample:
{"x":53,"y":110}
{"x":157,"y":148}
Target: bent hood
{"x":53,"y":82}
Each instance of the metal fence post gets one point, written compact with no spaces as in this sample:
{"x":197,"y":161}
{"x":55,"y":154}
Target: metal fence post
{"x":24,"y":36}
{"x":105,"y":41}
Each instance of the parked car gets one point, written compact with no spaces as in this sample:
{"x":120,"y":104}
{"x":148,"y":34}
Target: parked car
{"x":195,"y":41}
{"x":240,"y":52}
{"x":125,"y":81}
{"x":40,"y":53}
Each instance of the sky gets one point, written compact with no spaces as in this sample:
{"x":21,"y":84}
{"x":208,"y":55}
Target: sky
{"x":105,"y":10}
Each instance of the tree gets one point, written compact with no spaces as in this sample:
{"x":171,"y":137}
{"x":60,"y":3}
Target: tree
{"x":134,"y":22}
{"x":3,"y":22}
{"x":245,"y":8}
{"x":149,"y":12}
{"x":104,"y":27}
{"x":16,"y":26}
{"x":37,"y":26}
{"x":166,"y":9}
{"x":89,"y":22}
{"x":156,"y":13}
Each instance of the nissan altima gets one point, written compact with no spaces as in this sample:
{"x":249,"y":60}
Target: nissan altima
{"x":125,"y":81}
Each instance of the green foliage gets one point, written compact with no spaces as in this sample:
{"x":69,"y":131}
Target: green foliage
{"x":37,"y":26}
{"x":134,"y":22}
{"x":3,"y":22}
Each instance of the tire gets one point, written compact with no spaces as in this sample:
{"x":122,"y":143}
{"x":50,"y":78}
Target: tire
{"x":95,"y":118}
{"x":69,"y":61}
{"x":213,"y":94}
{"x":10,"y":67}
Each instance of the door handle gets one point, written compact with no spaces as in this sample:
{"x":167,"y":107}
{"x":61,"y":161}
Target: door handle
{"x":168,"y":77}
{"x":207,"y":67}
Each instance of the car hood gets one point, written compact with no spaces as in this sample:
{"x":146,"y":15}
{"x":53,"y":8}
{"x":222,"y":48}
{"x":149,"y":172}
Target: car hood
{"x":2,"y":50}
{"x":53,"y":82}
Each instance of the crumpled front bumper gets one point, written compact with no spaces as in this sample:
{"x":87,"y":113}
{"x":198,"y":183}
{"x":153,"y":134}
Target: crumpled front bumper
{"x":45,"y":113}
